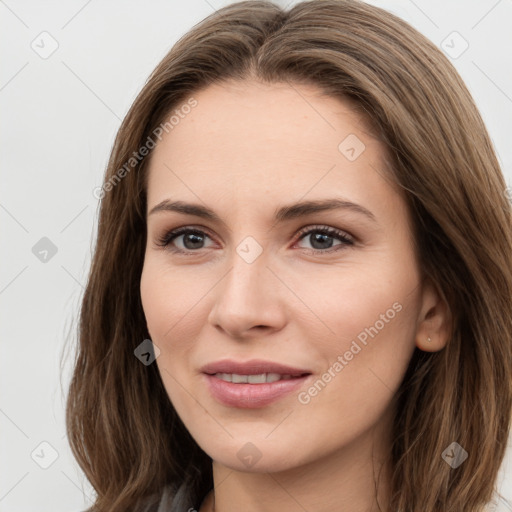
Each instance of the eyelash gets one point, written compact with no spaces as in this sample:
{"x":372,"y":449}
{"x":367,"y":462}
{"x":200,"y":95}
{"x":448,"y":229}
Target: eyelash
{"x":347,"y":240}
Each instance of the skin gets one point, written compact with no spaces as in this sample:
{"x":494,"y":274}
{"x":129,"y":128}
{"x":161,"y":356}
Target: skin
{"x":246,"y":149}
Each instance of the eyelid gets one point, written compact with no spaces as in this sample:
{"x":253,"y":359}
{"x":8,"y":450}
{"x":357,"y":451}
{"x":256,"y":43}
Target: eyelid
{"x":170,"y":235}
{"x":326,"y":228}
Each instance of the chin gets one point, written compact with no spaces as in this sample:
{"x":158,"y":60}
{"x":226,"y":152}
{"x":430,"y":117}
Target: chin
{"x":254,"y":454}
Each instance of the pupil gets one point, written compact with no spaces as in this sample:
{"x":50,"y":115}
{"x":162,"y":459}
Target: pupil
{"x":321,"y":237}
{"x":192,"y":236}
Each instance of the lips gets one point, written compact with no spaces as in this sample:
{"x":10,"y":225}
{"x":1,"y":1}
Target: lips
{"x":252,"y":367}
{"x":251,"y":384}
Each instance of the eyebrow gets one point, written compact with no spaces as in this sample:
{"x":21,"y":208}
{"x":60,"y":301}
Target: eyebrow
{"x":284,"y":213}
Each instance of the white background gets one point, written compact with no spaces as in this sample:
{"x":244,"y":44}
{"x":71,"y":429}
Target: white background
{"x":59,"y":116}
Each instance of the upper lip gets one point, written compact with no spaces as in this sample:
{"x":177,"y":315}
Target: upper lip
{"x":251,"y":367}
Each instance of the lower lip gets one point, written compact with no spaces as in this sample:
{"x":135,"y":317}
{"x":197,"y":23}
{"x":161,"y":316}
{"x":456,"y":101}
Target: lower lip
{"x":251,"y":396}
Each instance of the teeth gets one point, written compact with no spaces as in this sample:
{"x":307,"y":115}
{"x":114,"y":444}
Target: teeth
{"x":257,"y":379}
{"x":261,"y":378}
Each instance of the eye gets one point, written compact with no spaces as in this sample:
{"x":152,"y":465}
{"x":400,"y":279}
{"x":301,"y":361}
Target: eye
{"x":321,"y":238}
{"x":192,"y":239}
{"x":322,"y":241}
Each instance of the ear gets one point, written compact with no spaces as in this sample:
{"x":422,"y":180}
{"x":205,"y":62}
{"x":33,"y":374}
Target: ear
{"x":434,"y":319}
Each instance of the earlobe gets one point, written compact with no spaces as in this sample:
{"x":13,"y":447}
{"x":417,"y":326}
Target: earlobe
{"x":434,"y":319}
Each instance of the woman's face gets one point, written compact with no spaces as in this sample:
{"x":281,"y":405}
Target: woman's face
{"x":259,"y":278}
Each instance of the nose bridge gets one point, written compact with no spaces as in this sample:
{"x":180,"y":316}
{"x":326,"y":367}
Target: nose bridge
{"x":249,"y":274}
{"x":247,"y":295}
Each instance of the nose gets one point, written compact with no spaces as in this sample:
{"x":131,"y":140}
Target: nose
{"x":248,"y":300}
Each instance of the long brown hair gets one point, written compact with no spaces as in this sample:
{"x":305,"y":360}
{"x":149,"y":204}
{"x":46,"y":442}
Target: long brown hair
{"x":121,"y":425}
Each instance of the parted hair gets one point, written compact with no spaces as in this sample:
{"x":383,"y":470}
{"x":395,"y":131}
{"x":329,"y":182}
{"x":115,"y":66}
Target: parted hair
{"x":121,"y":425}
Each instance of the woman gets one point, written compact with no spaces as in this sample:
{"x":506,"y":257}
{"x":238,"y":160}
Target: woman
{"x":300,"y":293}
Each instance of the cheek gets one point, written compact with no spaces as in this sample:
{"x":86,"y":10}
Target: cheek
{"x":171,"y":307}
{"x":365,"y":301}
{"x":368,"y":331}
{"x":167,"y":301}
{"x":363,"y":362}
{"x":155,"y":298}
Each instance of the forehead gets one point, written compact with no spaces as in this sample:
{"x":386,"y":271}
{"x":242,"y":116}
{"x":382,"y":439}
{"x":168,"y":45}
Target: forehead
{"x":243,"y":112}
{"x":254,"y":138}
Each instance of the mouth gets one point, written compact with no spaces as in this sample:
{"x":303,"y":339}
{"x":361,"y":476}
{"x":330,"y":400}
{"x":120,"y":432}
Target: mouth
{"x":260,"y":378}
{"x":252,"y":367}
{"x":252,"y":384}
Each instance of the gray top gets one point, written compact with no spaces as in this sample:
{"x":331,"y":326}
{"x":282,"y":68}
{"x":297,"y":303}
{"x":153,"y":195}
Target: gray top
{"x":172,"y":499}
{"x":182,"y":501}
